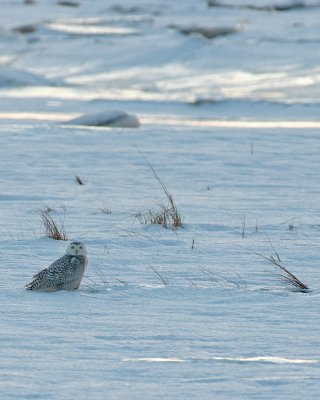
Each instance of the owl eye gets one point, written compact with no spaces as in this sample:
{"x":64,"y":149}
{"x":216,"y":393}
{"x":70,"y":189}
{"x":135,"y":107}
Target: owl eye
{"x":80,"y":247}
{"x":72,"y":247}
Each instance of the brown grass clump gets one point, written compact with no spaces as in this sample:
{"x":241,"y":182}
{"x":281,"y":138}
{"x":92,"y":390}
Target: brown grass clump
{"x":286,"y":276}
{"x":168,"y":216}
{"x":53,"y":229}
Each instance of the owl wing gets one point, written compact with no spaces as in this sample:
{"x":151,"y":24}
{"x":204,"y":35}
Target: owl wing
{"x":72,"y":274}
{"x":57,"y":275}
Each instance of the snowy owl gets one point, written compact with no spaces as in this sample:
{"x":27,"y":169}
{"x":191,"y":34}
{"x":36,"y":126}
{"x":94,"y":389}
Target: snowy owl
{"x":63,"y":274}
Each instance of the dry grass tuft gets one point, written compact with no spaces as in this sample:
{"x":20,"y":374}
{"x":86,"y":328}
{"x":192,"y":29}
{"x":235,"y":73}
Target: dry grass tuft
{"x":53,"y":229}
{"x":286,"y":276}
{"x":243,"y":226}
{"x":163,"y":277}
{"x":104,"y":209}
{"x":168,"y":216}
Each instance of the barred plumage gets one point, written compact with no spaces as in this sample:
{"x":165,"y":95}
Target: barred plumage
{"x":63,"y":274}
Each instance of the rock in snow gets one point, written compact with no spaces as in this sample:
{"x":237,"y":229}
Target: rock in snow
{"x":107,"y":118}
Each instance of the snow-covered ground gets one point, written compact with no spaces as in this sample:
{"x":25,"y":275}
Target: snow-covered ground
{"x":231,"y":126}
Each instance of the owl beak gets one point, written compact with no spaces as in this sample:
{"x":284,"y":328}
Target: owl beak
{"x":76,"y":251}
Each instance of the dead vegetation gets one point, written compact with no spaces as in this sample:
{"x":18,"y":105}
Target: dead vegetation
{"x":168,"y":215}
{"x":243,"y":226}
{"x":53,"y":229}
{"x":162,"y":276}
{"x":104,"y":209}
{"x":285,"y":276}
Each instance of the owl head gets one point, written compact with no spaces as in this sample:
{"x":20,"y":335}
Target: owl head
{"x":76,"y":249}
